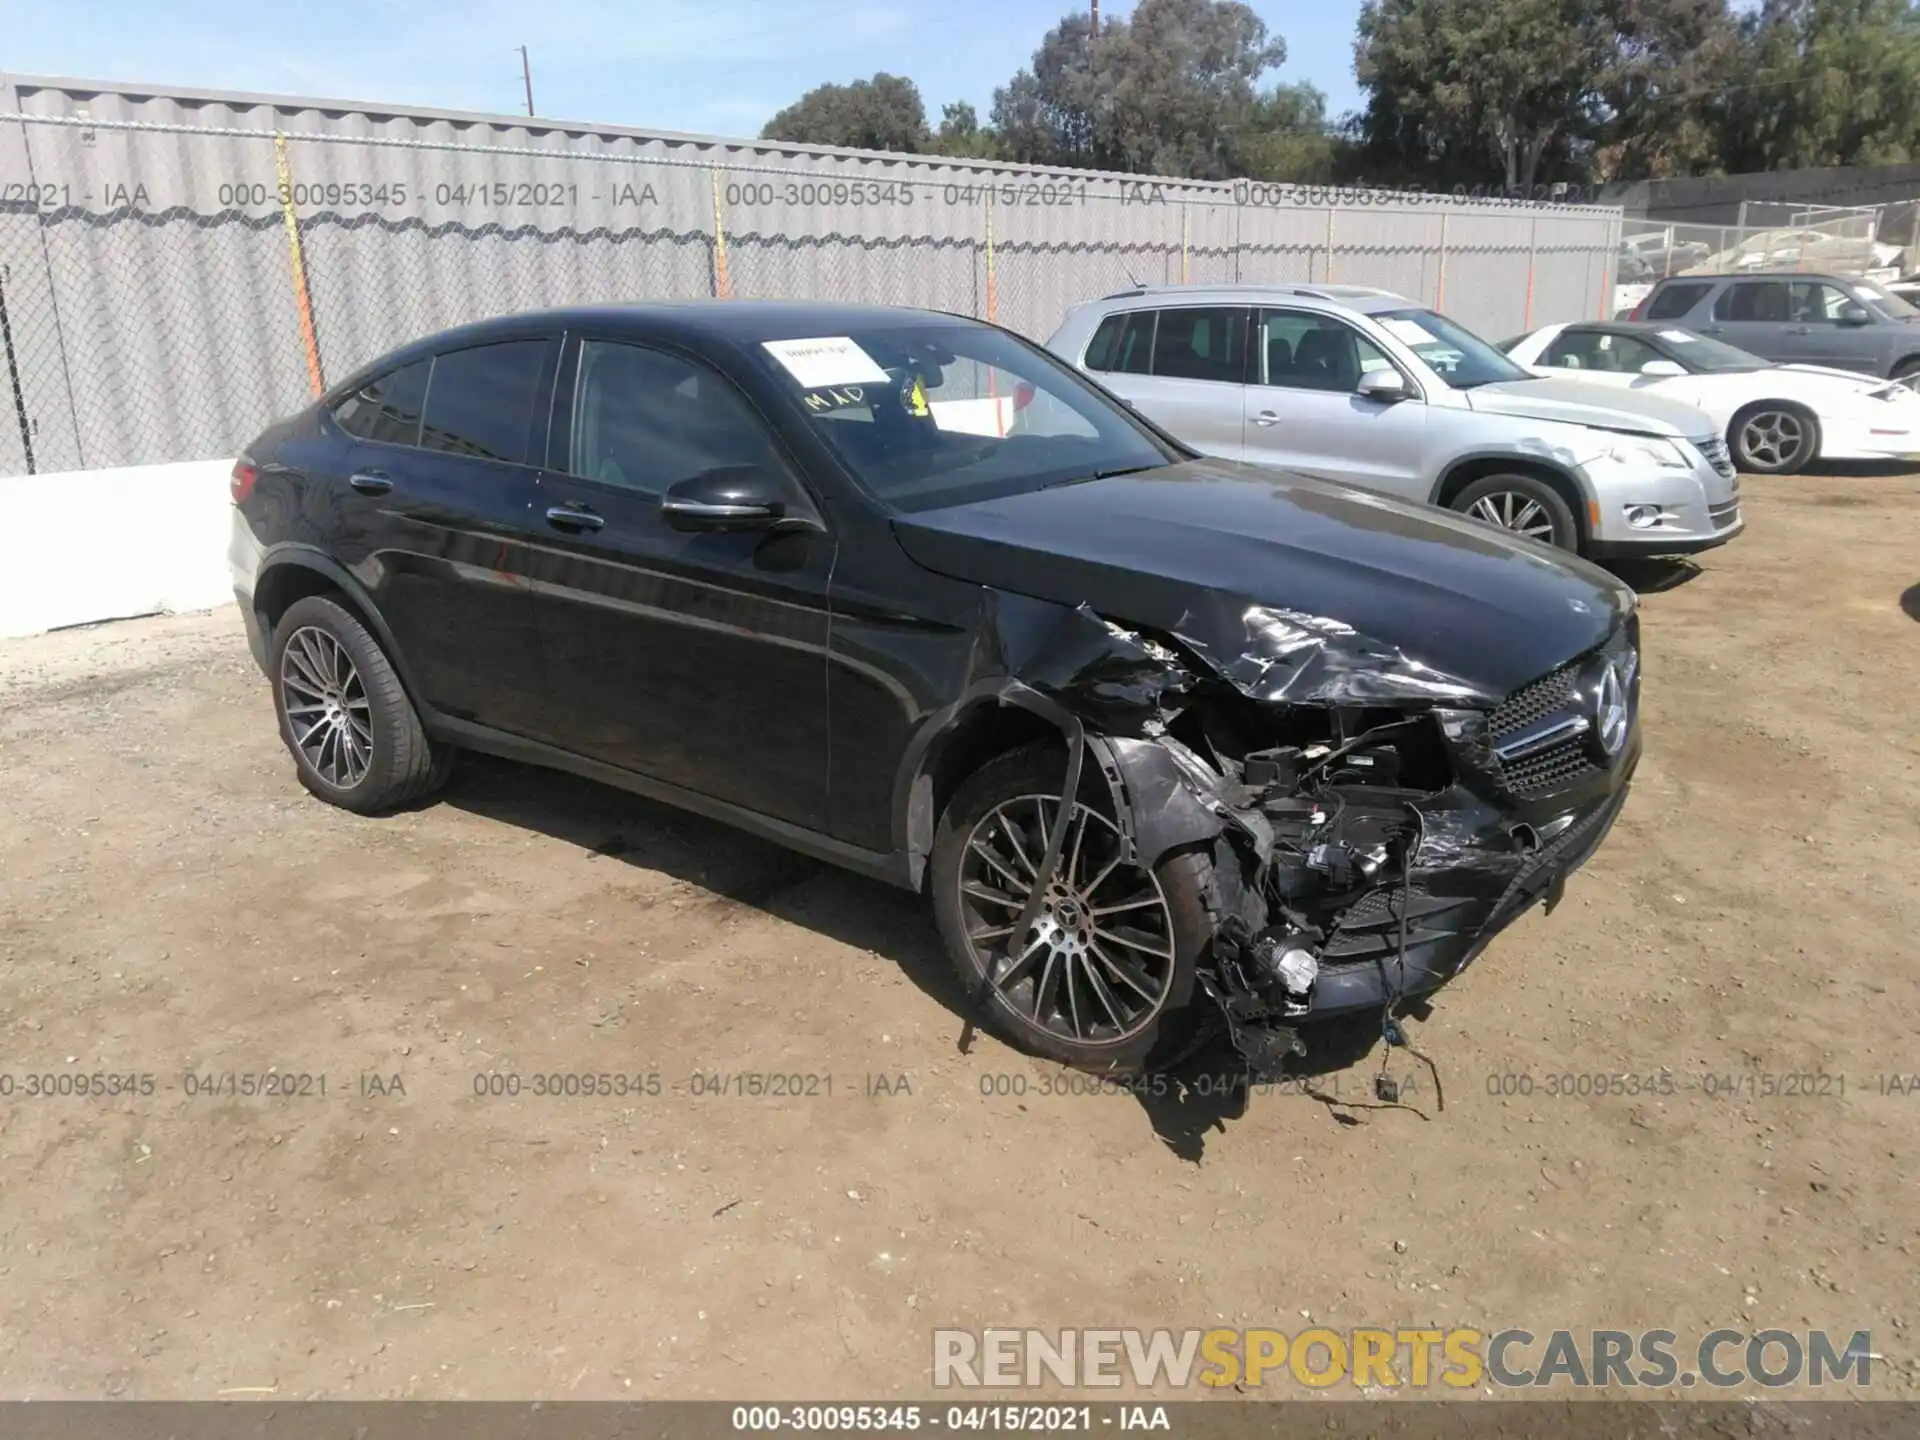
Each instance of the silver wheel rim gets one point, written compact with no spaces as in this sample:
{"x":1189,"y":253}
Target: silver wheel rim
{"x":327,"y":708}
{"x":1513,"y":511}
{"x":1097,"y":964}
{"x":1772,"y":439}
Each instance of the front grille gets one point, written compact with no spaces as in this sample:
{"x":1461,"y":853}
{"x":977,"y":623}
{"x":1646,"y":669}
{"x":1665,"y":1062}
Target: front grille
{"x":1559,"y":766}
{"x":1723,"y":514}
{"x":1716,"y":452}
{"x":1534,"y":701}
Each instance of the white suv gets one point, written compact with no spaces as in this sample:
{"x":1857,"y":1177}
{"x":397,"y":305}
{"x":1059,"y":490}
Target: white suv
{"x":1370,"y":388}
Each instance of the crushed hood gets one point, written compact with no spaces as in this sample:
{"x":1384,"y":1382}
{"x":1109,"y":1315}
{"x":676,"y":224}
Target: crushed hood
{"x":1288,"y":587}
{"x":1576,"y":402}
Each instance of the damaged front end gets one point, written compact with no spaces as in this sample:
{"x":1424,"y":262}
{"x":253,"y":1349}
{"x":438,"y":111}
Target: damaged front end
{"x":1371,"y":823}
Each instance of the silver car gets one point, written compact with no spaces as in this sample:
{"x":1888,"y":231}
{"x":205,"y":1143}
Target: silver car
{"x":1370,"y":388}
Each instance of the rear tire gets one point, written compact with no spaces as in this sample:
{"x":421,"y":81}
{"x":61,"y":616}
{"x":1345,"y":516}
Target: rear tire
{"x":355,"y":738}
{"x":1521,"y":505}
{"x":1773,"y":438}
{"x":1106,"y":979}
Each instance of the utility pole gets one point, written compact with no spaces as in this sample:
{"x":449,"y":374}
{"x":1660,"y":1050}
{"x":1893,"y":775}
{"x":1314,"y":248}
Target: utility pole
{"x":1096,"y":17}
{"x":526,"y":74}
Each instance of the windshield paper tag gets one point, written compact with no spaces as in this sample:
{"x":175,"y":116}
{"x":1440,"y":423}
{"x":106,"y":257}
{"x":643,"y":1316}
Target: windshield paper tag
{"x":1407,"y":332}
{"x":826,"y":361}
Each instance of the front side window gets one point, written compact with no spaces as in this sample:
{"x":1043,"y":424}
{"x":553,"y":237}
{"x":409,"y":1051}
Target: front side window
{"x":1303,"y":350}
{"x":645,"y":420}
{"x":387,"y":408}
{"x":485,"y":402}
{"x":1814,"y":301}
{"x":1601,"y":350}
{"x":1205,"y":343}
{"x":926,"y":416}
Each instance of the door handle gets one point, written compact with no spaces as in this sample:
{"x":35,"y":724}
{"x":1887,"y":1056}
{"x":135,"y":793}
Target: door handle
{"x":1266,"y":417}
{"x":370,"y":482}
{"x":573,"y":517}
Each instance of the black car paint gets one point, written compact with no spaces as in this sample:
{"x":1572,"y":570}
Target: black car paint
{"x":803,"y":684}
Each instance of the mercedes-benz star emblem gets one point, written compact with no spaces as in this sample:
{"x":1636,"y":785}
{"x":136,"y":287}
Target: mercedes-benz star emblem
{"x":1610,"y":710}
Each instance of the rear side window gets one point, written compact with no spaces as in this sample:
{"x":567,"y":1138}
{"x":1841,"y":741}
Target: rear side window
{"x":1122,"y":344}
{"x":1201,"y":344}
{"x":1673,"y":301}
{"x":1765,"y":300}
{"x":484,"y":402}
{"x":387,"y":408}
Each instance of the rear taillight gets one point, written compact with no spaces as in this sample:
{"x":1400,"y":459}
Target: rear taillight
{"x":1023,"y":394}
{"x":245,"y":472}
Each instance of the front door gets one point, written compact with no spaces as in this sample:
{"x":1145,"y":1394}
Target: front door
{"x":1303,"y":413}
{"x":695,"y":659}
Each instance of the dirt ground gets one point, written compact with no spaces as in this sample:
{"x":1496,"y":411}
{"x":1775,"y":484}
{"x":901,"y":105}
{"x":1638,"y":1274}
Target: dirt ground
{"x":173,"y":905}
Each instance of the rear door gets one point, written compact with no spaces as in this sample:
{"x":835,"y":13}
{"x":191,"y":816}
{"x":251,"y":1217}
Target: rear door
{"x":1755,"y":315}
{"x":1183,"y":368}
{"x":435,"y":519}
{"x":1302,"y":412}
{"x":695,"y":659}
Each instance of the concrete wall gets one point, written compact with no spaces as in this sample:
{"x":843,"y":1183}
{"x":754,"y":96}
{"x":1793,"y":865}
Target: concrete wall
{"x":106,"y":544}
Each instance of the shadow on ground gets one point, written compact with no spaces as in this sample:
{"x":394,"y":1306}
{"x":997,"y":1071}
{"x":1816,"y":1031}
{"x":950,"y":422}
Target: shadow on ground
{"x":1192,"y":1100}
{"x":1910,"y":601}
{"x":1651,"y":576}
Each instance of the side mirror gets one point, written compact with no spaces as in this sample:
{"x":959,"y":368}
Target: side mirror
{"x":1663,"y":367}
{"x":1854,"y":315}
{"x":732,"y":497}
{"x":1386,"y":385}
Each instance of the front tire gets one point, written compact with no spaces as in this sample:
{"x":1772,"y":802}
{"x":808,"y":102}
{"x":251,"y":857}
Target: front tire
{"x":1103,"y":980}
{"x":1522,"y":505}
{"x":1773,"y":438}
{"x":355,"y":738}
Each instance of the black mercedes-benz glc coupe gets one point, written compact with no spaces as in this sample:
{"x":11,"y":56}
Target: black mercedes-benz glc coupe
{"x":1161,"y":737}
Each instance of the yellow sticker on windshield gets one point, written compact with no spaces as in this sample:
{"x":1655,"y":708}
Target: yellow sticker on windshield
{"x":917,"y":401}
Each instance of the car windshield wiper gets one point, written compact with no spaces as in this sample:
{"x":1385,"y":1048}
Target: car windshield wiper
{"x":1119,"y":470}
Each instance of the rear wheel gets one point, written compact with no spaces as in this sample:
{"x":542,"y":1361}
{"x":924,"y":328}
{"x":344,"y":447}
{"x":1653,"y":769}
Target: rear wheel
{"x":1103,"y":977}
{"x":355,"y":738}
{"x":1523,"y":504}
{"x":1773,"y":439}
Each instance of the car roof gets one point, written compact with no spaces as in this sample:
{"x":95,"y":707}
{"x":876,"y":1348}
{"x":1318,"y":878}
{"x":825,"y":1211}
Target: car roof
{"x":732,"y":323}
{"x":1365,"y":298}
{"x":1758,"y":274}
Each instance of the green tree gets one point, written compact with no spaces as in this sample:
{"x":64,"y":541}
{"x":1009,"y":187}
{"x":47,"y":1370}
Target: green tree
{"x":1287,"y":137}
{"x":961,"y":134}
{"x":1170,"y":90}
{"x":1521,"y":92}
{"x":884,"y":113}
{"x":1825,"y":82}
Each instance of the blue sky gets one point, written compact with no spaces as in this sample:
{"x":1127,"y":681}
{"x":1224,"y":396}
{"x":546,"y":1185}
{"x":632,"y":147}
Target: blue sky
{"x":707,"y":66}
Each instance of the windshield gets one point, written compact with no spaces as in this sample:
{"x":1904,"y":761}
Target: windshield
{"x":1708,"y":357}
{"x":935,"y":415}
{"x":1889,"y":302}
{"x":1454,"y":353}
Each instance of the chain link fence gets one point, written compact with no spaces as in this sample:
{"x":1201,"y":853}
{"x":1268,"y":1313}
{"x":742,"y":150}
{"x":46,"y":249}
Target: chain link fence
{"x":166,"y":289}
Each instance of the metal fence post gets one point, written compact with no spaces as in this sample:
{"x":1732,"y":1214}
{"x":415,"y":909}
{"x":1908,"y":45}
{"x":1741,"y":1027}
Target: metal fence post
{"x":13,"y":376}
{"x":1440,"y":284}
{"x":993,"y":280}
{"x":297,"y":263}
{"x":1183,"y":242}
{"x":722,"y":284}
{"x":1533,"y":250}
{"x":1329,"y":275}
